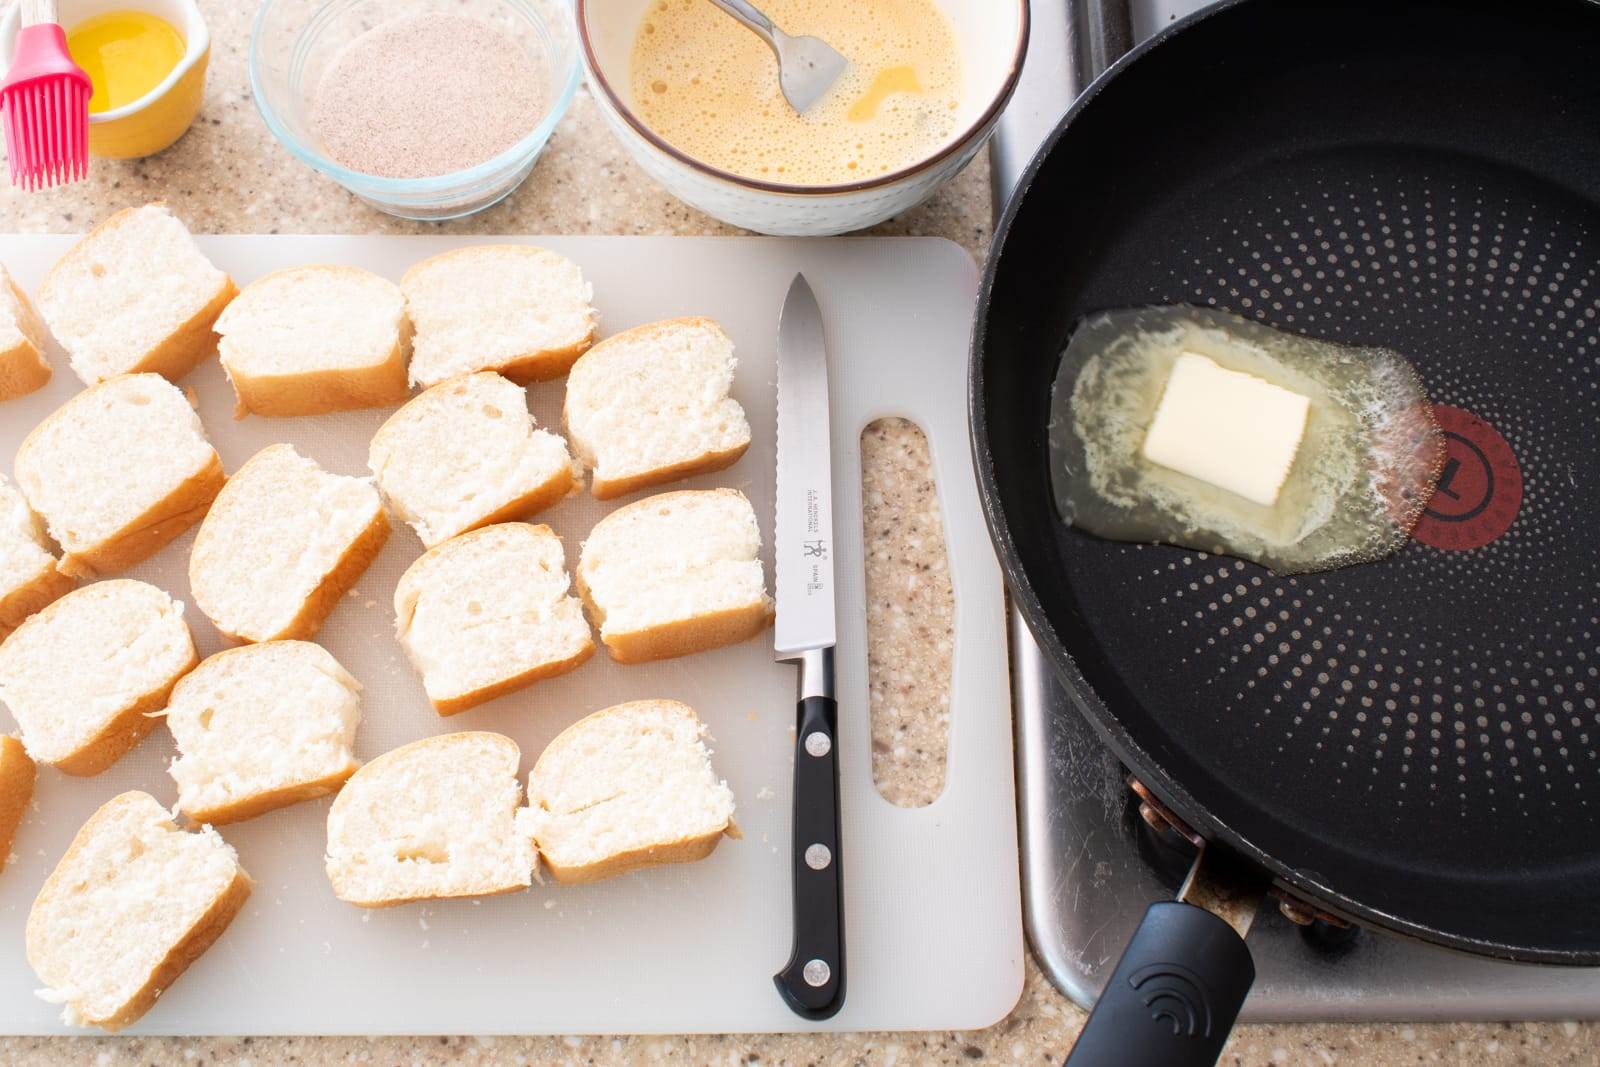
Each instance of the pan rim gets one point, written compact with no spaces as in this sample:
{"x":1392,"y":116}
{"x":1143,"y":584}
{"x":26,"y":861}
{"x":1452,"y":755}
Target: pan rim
{"x":1087,"y":702}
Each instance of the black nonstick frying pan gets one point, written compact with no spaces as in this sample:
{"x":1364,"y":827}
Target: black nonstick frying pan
{"x":1413,"y":744}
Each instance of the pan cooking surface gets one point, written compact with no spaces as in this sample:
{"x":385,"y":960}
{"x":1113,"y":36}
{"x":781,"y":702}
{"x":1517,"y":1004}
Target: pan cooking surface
{"x":1459,"y":681}
{"x":1414,"y":741}
{"x":1446,"y":695}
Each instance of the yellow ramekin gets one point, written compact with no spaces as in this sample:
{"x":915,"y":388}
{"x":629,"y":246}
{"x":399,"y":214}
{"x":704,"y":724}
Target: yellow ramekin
{"x":162,"y":115}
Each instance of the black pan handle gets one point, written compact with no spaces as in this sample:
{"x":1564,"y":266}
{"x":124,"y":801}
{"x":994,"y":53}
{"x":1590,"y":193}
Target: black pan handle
{"x":812,"y":982}
{"x":1174,"y":996}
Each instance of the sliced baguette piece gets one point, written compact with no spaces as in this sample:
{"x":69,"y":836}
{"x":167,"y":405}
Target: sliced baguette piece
{"x":466,"y":454}
{"x":260,"y":727}
{"x":29,"y":579}
{"x":133,"y":902}
{"x":487,"y":613}
{"x":16,"y":789}
{"x":118,"y":471}
{"x":652,"y":405}
{"x":284,"y":541}
{"x":309,"y":340}
{"x":435,"y":818}
{"x":674,"y":574}
{"x":81,"y":676}
{"x":136,"y":294}
{"x":23,"y":366}
{"x":521,"y":311}
{"x":628,"y":787}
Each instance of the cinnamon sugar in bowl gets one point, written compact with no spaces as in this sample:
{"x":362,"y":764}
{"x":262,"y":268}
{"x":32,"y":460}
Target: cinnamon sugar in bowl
{"x":425,"y":110}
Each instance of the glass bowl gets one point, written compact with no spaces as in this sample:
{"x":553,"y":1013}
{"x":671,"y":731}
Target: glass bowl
{"x":294,"y":41}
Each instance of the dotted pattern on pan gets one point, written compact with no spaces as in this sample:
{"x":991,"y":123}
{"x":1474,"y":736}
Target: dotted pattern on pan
{"x":1486,"y":701}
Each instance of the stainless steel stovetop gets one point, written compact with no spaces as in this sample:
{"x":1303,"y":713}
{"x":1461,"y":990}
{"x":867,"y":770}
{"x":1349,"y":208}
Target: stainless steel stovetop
{"x":1091,"y":866}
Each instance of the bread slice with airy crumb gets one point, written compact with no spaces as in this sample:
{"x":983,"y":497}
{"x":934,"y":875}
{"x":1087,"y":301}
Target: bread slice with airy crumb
{"x":260,"y":727}
{"x":487,"y":613}
{"x":674,"y":574}
{"x":628,"y":787}
{"x":23,"y":366}
{"x":17,"y":773}
{"x":81,"y":676}
{"x":136,"y":294}
{"x":520,"y":311}
{"x":466,"y":454}
{"x":283,"y":542}
{"x":436,"y":818}
{"x":118,"y":471}
{"x":133,"y":902}
{"x":29,"y":579}
{"x":652,"y":405}
{"x":309,"y":340}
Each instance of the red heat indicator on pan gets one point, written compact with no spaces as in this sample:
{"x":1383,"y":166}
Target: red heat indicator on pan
{"x":1480,"y":488}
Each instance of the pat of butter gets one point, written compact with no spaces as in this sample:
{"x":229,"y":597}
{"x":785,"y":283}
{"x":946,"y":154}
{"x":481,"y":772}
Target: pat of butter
{"x":1230,"y":429}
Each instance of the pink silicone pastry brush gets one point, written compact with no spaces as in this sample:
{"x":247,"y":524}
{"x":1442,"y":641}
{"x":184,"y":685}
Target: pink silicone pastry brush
{"x":45,"y":102}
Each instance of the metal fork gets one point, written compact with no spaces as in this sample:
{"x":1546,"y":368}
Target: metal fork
{"x":807,"y":66}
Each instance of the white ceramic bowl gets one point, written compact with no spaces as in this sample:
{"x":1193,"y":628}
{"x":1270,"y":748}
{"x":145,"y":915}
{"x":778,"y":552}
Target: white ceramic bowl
{"x":992,"y":35}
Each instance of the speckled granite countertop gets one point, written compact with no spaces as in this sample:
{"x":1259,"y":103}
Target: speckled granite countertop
{"x":228,"y":175}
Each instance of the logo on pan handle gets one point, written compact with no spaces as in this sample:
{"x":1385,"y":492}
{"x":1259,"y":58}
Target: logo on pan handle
{"x":1176,"y":996}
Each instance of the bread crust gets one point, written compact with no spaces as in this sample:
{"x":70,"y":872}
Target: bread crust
{"x":681,"y":850}
{"x":551,"y":492}
{"x":128,"y":726}
{"x":682,"y":637}
{"x":321,"y":601}
{"x":684,"y":850}
{"x":706,"y":463}
{"x":317,"y":392}
{"x":23,"y":367}
{"x":17,"y":774}
{"x":148,"y":532}
{"x":377,"y":766}
{"x":339,"y":580}
{"x":379,"y":903}
{"x":466,"y":701}
{"x":126,"y":729}
{"x":536,"y":365}
{"x":544,"y":365}
{"x":33,"y":596}
{"x":271,"y":799}
{"x":183,"y":349}
{"x":201,"y":936}
{"x":23,"y":370}
{"x":186,"y":347}
{"x":153,"y":530}
{"x":685,"y":636}
{"x":259,"y":803}
{"x":188,"y":948}
{"x":455,"y":705}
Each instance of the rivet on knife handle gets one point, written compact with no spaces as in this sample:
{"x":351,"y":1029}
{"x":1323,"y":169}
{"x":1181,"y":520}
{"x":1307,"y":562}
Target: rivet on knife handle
{"x":813,"y":981}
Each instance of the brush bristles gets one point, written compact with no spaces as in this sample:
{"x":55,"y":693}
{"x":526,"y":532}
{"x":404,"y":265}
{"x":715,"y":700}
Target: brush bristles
{"x":47,"y":131}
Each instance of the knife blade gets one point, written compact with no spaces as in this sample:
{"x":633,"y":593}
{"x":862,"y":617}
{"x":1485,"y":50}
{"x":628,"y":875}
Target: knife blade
{"x":805,"y":632}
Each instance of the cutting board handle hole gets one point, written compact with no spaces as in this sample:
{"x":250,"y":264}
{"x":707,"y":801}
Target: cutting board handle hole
{"x":908,"y":593}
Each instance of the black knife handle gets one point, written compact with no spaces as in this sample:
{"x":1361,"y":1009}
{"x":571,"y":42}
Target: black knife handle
{"x":812,"y":983}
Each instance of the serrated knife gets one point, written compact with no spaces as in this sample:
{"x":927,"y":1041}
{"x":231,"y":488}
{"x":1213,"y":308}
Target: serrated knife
{"x":805,"y":633}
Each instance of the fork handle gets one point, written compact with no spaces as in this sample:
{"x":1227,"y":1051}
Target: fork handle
{"x":757,"y":23}
{"x":35,"y":12}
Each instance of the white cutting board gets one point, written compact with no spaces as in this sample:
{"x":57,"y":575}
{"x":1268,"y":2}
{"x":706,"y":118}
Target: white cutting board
{"x":932,"y":905}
